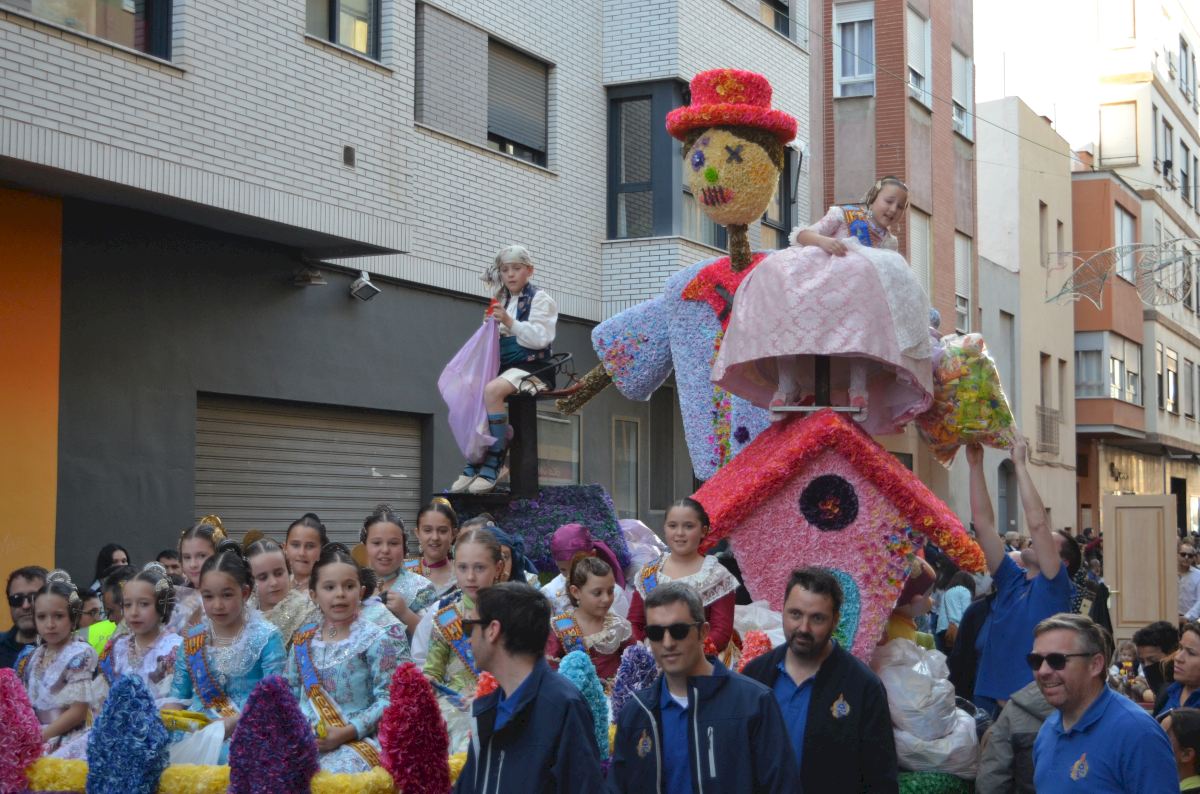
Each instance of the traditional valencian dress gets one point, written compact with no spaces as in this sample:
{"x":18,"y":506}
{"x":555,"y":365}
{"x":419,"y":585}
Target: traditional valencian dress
{"x":417,"y":591}
{"x":865,"y":306}
{"x":56,"y":680}
{"x":717,"y":588}
{"x":216,"y":680}
{"x":295,"y":610}
{"x":345,"y":682}
{"x":155,"y":666}
{"x":604,"y":647}
{"x":450,"y":663}
{"x":418,"y":566}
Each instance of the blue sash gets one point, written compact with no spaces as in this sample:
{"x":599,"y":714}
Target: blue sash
{"x":570,"y":636}
{"x":649,"y":577}
{"x":203,"y":682}
{"x":23,"y":660}
{"x":321,"y":702}
{"x":106,"y":662}
{"x":449,"y":624}
{"x":860,"y":225}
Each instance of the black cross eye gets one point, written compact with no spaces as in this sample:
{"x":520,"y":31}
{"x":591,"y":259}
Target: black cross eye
{"x":735,"y":153}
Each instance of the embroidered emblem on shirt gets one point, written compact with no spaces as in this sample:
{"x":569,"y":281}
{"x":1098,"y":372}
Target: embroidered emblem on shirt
{"x":1079,"y":769}
{"x":840,"y":708}
{"x":644,"y":745}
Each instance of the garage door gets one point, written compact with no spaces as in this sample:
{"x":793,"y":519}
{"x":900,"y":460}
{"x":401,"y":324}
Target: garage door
{"x":262,"y":464}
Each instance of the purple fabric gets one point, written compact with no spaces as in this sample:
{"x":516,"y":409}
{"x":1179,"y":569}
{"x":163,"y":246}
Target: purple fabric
{"x":461,"y":385}
{"x":572,"y":539}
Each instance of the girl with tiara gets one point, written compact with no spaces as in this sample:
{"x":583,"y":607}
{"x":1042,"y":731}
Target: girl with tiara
{"x":197,"y":544}
{"x":341,"y":666}
{"x":281,"y":606}
{"x":58,"y":673}
{"x":146,"y":649}
{"x":590,"y":626}
{"x":450,"y":663}
{"x":843,"y":291}
{"x":302,"y":544}
{"x":568,"y":541}
{"x":437,"y":528}
{"x":405,"y":594}
{"x":230,"y":650}
{"x":685,"y":526}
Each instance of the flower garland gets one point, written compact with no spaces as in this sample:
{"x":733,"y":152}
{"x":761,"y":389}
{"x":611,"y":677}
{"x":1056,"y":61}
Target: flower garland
{"x":273,"y":747}
{"x":59,"y":774}
{"x":636,"y":671}
{"x":716,"y":285}
{"x":413,"y":735}
{"x":754,"y":644}
{"x":487,"y":684}
{"x":127,"y":748}
{"x":20,"y":732}
{"x":577,"y":668}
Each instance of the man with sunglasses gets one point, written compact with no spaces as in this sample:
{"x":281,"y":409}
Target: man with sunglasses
{"x":700,"y":727}
{"x":1095,"y":740}
{"x":534,"y":733}
{"x":23,"y":584}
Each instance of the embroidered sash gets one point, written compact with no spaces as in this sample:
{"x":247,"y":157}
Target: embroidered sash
{"x":106,"y":664}
{"x":860,"y":225}
{"x":415,"y":565}
{"x":203,"y":682}
{"x":570,"y":636}
{"x":324,"y":705}
{"x":23,"y":661}
{"x":649,"y":576}
{"x":449,"y":624}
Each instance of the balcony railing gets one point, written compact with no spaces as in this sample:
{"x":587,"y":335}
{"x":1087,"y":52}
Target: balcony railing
{"x":1048,"y":420}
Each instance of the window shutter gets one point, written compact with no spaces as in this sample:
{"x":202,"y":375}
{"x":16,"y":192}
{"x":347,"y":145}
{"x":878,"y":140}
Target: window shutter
{"x":918,"y":245}
{"x":854,"y":12}
{"x":962,"y":265}
{"x":1118,"y":134}
{"x":516,"y":97}
{"x":916,"y":42}
{"x":960,"y":78}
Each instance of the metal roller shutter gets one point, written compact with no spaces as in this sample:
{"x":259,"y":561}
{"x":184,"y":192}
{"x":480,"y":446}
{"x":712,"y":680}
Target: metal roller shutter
{"x":262,"y":464}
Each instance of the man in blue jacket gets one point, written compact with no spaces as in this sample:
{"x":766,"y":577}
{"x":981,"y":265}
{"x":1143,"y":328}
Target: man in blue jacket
{"x":700,"y":727}
{"x":835,"y":708}
{"x":534,"y":733}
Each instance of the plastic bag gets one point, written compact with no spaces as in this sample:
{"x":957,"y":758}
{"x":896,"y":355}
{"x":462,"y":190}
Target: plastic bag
{"x":644,"y":546}
{"x":920,"y":695}
{"x":759,"y":616}
{"x":956,"y":753}
{"x":461,"y":385}
{"x":201,"y":747}
{"x":969,"y":404}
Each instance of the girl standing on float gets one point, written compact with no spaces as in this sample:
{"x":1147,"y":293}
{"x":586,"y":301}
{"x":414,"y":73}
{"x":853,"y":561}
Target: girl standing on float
{"x":405,"y":594}
{"x":341,"y":666}
{"x":302,"y":546}
{"x":281,"y":606}
{"x":685,"y":526}
{"x":231,"y":650}
{"x":591,"y":625}
{"x":147,"y":648}
{"x":437,"y":528}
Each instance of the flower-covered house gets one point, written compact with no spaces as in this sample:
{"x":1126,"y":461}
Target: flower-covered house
{"x":820,"y":491}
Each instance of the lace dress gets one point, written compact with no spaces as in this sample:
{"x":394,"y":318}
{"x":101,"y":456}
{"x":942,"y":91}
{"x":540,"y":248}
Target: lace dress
{"x":604,"y":647}
{"x":55,"y":680}
{"x":451,"y":663}
{"x":715,"y":584}
{"x":155,"y":666}
{"x":295,"y":610}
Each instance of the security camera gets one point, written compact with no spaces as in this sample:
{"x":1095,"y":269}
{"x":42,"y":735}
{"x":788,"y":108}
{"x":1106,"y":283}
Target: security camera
{"x":362,"y":288}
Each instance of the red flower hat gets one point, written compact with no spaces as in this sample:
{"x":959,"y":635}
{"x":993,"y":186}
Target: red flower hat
{"x":731,"y":98}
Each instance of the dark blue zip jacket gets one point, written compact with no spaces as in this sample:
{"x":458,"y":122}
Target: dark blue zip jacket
{"x":548,"y":745}
{"x":737,"y":741}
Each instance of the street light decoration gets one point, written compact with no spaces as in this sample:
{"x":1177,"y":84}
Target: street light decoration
{"x":1162,"y":272}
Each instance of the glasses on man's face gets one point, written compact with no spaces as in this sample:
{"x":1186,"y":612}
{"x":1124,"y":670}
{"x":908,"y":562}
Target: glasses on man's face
{"x":18,"y":600}
{"x":94,"y":614}
{"x":1189,"y":555}
{"x":469,"y":624}
{"x":677,"y":631}
{"x":1057,"y":661}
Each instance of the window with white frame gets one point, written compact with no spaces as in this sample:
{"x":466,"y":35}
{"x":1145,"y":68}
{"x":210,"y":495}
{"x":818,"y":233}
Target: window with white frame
{"x":1154,"y":133}
{"x":920,"y":254}
{"x":1124,"y":234}
{"x":1116,"y":374}
{"x":1172,"y":381}
{"x":1186,"y":76}
{"x":1185,"y":176}
{"x":1133,"y":371}
{"x":1118,"y":134}
{"x":1168,"y":151}
{"x":1196,"y":182}
{"x":962,"y":283}
{"x":1158,"y":374}
{"x":1189,"y":389}
{"x":962,"y":80}
{"x":920,"y":67}
{"x":854,"y":49}
{"x":1089,"y":381}
{"x":625,"y":452}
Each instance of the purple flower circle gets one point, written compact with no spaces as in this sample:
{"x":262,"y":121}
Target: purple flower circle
{"x":829,"y":503}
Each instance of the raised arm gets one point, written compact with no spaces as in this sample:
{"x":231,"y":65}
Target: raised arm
{"x":1035,"y":512}
{"x":982,"y":514}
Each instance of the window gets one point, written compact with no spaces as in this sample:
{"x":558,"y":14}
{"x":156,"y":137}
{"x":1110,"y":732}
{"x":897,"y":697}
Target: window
{"x":1172,"y":381}
{"x":144,"y":25}
{"x":777,"y":220}
{"x":1186,"y":75}
{"x":918,"y":246}
{"x":854,"y":49}
{"x":1060,"y":241}
{"x":632,"y":157}
{"x":1154,"y":133}
{"x":625,"y":466}
{"x":1168,"y":151}
{"x":962,"y":283}
{"x":1133,"y":372}
{"x":1043,"y":234}
{"x":1118,"y":134}
{"x":517,"y":88}
{"x":1116,"y":378}
{"x":1088,"y":382}
{"x":662,"y":448}
{"x":558,"y":448}
{"x":1158,"y":374}
{"x":1196,"y":183}
{"x":1185,"y":176}
{"x":1044,"y":383}
{"x":1124,"y":234}
{"x":1189,"y":389}
{"x":774,"y":14}
{"x":962,"y":80}
{"x":920,"y":70}
{"x":353,"y":24}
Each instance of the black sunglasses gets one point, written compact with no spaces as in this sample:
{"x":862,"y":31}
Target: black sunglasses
{"x":677,"y":630}
{"x":468,"y":624}
{"x":1057,"y":661}
{"x":18,"y":599}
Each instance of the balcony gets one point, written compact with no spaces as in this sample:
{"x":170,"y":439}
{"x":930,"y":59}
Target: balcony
{"x":1048,"y":421}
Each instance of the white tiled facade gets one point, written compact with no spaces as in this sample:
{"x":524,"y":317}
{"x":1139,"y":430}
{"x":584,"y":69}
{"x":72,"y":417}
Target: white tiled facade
{"x":250,"y":115}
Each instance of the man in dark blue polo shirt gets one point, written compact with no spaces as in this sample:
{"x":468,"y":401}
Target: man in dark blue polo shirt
{"x":22,"y":585}
{"x":1095,"y":740}
{"x":1026,"y":593}
{"x":835,"y":708}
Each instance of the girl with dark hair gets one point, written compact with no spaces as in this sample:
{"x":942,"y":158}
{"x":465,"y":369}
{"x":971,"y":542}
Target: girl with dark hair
{"x":590,"y":625}
{"x":197,"y":544}
{"x":230,"y":650}
{"x":684,"y":528}
{"x":281,"y":606}
{"x":405,"y":594}
{"x":437,"y":529}
{"x":58,"y":673}
{"x":569,"y":541}
{"x":341,"y":666}
{"x":147,"y":650}
{"x":110,"y":555}
{"x":305,"y":538}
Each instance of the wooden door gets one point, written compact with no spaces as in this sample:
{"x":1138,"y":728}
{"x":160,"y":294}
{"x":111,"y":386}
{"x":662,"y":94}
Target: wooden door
{"x":1139,"y":561}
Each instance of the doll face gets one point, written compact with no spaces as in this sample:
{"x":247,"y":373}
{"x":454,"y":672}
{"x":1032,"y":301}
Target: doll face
{"x":732,"y":178}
